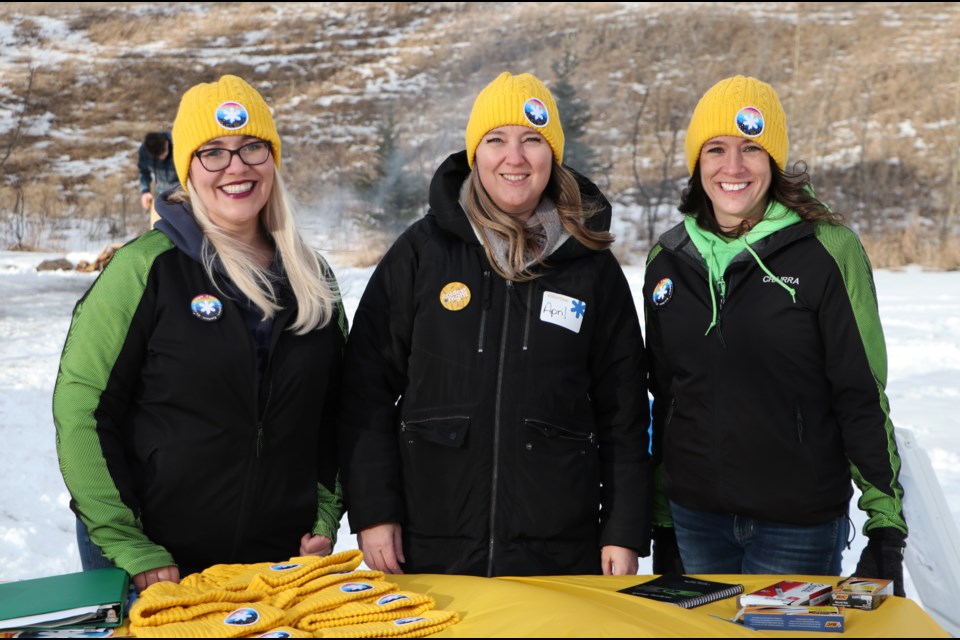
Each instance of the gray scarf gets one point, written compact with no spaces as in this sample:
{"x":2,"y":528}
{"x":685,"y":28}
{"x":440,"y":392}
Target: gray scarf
{"x":544,"y":226}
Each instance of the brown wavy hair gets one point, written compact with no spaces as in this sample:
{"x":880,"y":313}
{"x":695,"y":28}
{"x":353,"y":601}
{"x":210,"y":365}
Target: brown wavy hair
{"x":792,"y":189}
{"x":574,"y":211}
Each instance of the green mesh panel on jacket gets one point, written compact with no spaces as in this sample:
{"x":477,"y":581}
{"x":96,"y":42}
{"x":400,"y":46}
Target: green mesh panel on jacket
{"x":101,"y":321}
{"x":885,"y":509}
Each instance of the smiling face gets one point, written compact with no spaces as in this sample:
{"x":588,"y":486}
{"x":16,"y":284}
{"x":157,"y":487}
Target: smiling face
{"x":736,"y":175}
{"x":234,"y":196}
{"x":514,"y":164}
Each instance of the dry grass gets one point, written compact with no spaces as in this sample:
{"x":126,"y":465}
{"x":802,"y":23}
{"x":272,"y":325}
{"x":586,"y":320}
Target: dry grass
{"x":913,"y":245}
{"x":854,"y":80}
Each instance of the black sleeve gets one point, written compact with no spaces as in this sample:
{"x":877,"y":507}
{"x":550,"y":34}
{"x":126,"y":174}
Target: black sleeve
{"x":375,"y":375}
{"x":619,"y":394}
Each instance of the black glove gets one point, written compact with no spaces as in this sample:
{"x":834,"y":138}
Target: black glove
{"x":666,"y":553}
{"x":883,"y":557}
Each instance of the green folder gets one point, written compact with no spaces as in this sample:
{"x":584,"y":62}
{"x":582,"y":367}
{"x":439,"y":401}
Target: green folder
{"x":94,"y":598}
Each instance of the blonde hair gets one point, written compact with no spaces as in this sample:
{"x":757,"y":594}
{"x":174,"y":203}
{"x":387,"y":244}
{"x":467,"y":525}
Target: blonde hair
{"x":309,"y":276}
{"x":564,"y":190}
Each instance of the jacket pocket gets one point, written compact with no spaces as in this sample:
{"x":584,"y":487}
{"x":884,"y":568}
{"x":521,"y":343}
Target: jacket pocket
{"x":549,"y":431}
{"x":558,"y":493}
{"x":439,"y":476}
{"x":446,"y":431}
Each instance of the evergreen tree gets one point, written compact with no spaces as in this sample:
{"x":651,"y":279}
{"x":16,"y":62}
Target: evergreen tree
{"x":575,"y":116}
{"x":394,"y":195}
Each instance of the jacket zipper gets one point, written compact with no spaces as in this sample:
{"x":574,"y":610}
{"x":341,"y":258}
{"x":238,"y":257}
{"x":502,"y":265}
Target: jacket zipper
{"x":553,"y":431}
{"x":258,"y":448}
{"x":485,"y":304}
{"x":720,"y":300}
{"x":260,"y":419}
{"x":529,"y":312}
{"x":799,"y":425}
{"x":414,"y":427}
{"x":496,"y":432}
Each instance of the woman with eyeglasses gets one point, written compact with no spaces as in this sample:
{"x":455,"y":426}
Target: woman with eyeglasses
{"x":194,"y":400}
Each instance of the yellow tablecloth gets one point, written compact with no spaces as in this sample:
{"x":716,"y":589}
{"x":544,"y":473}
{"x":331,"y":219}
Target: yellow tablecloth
{"x":589,"y":606}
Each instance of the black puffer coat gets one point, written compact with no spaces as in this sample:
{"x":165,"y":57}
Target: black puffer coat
{"x":518,"y":446}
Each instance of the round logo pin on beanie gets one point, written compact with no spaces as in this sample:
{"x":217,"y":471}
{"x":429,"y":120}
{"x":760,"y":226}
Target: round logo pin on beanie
{"x":232,"y":115}
{"x":402,"y":621}
{"x":750,"y":122}
{"x":243,"y":617}
{"x":536,"y":112}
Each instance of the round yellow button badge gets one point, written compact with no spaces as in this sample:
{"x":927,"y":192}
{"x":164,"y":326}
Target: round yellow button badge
{"x":455,"y":296}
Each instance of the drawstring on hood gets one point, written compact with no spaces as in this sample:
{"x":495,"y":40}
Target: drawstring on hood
{"x":718,"y":251}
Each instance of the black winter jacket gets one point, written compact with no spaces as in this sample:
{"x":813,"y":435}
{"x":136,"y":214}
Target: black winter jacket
{"x":172,"y":451}
{"x":772,"y":412}
{"x":502,"y":443}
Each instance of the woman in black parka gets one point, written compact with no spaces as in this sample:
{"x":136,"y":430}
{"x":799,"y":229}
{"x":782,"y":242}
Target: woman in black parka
{"x":494,"y":416}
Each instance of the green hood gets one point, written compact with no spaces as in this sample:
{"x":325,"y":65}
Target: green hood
{"x":719,"y":251}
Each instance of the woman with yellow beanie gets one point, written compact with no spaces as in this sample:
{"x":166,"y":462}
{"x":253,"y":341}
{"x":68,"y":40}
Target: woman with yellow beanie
{"x":767,"y":363}
{"x":194,"y":403}
{"x":495,"y":418}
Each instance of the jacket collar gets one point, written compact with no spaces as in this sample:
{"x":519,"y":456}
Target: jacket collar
{"x":446,"y":209}
{"x":177,"y":223}
{"x":678,"y":241}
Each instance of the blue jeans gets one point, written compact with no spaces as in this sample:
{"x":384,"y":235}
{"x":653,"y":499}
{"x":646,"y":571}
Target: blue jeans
{"x":731,"y":544}
{"x":91,"y":556}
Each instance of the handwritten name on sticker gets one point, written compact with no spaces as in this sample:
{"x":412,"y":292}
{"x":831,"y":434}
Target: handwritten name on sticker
{"x":562,"y":311}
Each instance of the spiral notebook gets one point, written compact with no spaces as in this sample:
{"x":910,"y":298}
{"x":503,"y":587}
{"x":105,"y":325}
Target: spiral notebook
{"x":684,"y":591}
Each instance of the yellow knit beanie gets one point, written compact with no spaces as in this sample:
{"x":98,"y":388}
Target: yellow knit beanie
{"x":169,"y":610}
{"x":275,"y":577}
{"x":418,"y":626}
{"x":389,"y":606}
{"x":514,"y":100}
{"x":227,"y":107}
{"x":739,"y":106}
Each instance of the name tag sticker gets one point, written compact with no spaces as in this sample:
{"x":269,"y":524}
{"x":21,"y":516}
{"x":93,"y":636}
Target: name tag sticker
{"x":563,"y":311}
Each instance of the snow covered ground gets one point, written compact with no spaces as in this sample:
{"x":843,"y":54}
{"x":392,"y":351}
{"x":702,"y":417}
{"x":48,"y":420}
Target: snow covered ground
{"x":920,"y":312}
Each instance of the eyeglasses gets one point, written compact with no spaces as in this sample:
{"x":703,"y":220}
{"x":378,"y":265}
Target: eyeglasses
{"x":217,"y":159}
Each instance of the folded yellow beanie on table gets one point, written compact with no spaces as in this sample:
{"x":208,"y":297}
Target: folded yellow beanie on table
{"x":388,"y":606}
{"x":273,"y":577}
{"x":338,"y":594}
{"x":309,"y":594}
{"x":169,"y":610}
{"x":289,"y":598}
{"x":424,"y":624}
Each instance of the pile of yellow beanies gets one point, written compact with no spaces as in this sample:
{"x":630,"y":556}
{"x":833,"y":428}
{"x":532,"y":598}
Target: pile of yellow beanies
{"x":305,"y":597}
